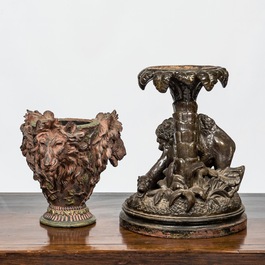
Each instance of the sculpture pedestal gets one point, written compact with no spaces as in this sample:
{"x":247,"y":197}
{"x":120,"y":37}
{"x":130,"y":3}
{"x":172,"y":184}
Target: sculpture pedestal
{"x":191,"y":191}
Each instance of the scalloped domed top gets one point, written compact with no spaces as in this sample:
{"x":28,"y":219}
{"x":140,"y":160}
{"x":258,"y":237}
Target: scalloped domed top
{"x":189,"y":75}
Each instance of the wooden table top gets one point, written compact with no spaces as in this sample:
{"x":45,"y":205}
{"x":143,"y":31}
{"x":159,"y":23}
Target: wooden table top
{"x":24,"y":240}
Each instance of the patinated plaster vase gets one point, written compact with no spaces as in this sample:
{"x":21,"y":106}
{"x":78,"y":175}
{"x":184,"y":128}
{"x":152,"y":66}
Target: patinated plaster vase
{"x":67,"y":157}
{"x":191,"y":191}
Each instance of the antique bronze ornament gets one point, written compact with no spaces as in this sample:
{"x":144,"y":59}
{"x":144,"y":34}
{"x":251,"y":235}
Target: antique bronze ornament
{"x":191,"y":191}
{"x":67,"y":157}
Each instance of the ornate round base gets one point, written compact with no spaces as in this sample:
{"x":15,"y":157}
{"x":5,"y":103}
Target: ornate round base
{"x":185,"y":230}
{"x":67,"y":216}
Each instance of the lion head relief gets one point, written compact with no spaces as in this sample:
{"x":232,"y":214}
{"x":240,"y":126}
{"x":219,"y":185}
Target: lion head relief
{"x":51,"y":145}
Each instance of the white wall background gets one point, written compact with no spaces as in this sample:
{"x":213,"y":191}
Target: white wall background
{"x":78,"y":58}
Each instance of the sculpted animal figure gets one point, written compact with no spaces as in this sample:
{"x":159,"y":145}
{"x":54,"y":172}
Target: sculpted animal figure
{"x":67,"y":156}
{"x":215,"y":149}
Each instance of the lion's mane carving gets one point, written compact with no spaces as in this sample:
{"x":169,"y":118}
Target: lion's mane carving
{"x":67,"y":156}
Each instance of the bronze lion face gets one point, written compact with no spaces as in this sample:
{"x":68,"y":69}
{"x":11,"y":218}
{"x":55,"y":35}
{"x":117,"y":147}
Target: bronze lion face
{"x":51,"y":145}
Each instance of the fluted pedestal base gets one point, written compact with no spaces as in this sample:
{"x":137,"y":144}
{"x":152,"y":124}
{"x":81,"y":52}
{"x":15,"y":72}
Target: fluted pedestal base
{"x":76,"y":216}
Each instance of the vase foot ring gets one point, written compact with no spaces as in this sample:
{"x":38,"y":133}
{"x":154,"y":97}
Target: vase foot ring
{"x":67,"y":217}
{"x":183,"y":231}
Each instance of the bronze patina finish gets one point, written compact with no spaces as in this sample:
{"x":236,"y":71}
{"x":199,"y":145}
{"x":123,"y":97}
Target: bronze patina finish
{"x":67,"y":157}
{"x":191,"y":191}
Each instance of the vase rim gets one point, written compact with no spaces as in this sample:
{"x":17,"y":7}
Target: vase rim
{"x":80,"y":122}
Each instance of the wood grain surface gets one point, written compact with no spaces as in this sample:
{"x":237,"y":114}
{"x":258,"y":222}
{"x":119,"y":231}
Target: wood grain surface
{"x":23,"y":240}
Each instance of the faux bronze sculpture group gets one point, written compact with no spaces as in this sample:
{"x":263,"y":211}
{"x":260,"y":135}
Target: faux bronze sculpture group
{"x":190,"y":192}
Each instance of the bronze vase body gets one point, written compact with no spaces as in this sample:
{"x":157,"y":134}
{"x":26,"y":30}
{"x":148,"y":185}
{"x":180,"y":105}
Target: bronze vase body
{"x":67,"y":157}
